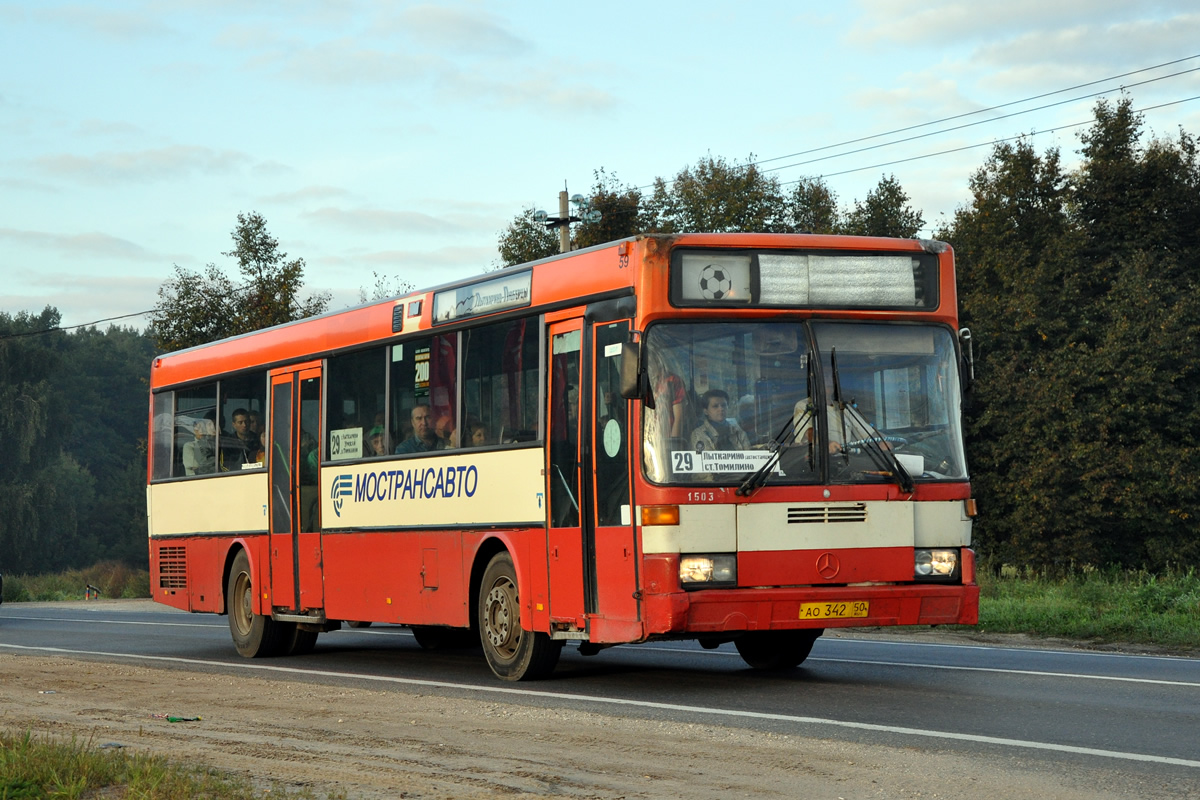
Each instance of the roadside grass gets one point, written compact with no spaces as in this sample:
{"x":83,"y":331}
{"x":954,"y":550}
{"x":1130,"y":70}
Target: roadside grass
{"x":1100,"y":606}
{"x":111,"y":578}
{"x":37,"y":767}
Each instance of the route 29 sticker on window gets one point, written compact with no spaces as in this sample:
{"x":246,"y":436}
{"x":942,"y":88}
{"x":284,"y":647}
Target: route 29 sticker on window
{"x":710,"y":461}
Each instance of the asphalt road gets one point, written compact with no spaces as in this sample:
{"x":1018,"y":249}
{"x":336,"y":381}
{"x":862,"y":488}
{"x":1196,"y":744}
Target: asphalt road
{"x":1058,"y":707}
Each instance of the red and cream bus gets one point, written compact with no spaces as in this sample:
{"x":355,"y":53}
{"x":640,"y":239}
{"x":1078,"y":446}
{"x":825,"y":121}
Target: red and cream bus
{"x":742,"y":438}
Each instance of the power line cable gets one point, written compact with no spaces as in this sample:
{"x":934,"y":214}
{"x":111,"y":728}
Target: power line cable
{"x":968,"y":114}
{"x":72,"y":327}
{"x":968,"y":125}
{"x":985,"y":110}
{"x":986,"y":144}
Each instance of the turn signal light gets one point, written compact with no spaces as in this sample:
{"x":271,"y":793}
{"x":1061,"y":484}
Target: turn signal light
{"x":660,"y":515}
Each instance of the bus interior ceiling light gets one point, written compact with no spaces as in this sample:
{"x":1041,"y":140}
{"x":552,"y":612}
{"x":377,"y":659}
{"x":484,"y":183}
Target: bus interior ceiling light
{"x":712,"y":570}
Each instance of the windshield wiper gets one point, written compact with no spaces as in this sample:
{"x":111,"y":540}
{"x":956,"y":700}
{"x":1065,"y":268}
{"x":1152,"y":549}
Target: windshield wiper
{"x":776,"y":445}
{"x":883,"y":458}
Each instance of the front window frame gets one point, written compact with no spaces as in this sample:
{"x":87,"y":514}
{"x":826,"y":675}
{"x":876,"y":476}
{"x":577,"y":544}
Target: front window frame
{"x":823,"y":462}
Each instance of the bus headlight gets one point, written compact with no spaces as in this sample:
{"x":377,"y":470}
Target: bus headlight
{"x":701,"y":572}
{"x":935,"y":565}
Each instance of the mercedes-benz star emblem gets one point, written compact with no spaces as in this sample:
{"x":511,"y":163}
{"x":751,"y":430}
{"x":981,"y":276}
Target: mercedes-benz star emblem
{"x":828,"y":566}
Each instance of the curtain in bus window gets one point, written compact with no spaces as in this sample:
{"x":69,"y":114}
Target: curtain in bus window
{"x":443,"y":375}
{"x":513,"y":360}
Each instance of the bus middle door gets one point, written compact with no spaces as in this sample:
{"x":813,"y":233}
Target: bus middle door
{"x":296,"y":562}
{"x":566,"y":533}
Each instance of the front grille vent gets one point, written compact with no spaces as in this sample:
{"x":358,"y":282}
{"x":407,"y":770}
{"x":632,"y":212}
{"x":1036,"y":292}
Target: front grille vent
{"x":823,"y":515}
{"x":172,"y":568}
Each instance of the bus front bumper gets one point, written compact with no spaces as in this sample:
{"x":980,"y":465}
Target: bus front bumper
{"x":714,"y":611}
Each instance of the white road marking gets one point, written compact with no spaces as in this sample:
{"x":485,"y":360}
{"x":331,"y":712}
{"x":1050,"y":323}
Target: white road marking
{"x":655,"y":649}
{"x":616,"y":701}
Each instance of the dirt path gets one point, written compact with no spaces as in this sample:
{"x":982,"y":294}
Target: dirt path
{"x":400,"y":743}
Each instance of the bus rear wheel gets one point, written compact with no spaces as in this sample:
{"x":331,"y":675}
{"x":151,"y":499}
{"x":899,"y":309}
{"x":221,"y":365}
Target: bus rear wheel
{"x":254,"y":635}
{"x":772,"y":651}
{"x":513,"y":653}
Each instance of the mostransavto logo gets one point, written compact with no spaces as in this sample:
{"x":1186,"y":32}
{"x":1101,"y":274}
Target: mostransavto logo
{"x":343,"y":486}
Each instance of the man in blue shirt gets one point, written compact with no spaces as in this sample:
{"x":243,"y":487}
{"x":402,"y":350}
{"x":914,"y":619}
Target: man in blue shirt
{"x":424,"y":438}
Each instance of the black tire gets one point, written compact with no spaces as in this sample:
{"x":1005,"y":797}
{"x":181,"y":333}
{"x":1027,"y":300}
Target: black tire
{"x":437,"y":637}
{"x":359,"y":624}
{"x":514,"y":654}
{"x":772,"y":651}
{"x":254,"y":635}
{"x":301,"y":642}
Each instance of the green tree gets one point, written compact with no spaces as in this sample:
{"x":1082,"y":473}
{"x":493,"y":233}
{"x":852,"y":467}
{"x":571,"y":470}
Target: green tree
{"x":195,"y":308}
{"x":526,"y":239}
{"x":620,"y":210}
{"x":1081,"y":291}
{"x":104,"y":376}
{"x":812,"y":208}
{"x":45,"y":491}
{"x":716,"y":196}
{"x":885,"y":212}
{"x":385,"y":288}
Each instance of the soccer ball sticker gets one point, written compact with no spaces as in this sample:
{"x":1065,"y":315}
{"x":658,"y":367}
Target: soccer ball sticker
{"x":715,"y":282}
{"x":714,"y":278}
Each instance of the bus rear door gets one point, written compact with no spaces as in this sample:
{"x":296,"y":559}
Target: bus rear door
{"x":296,"y":584}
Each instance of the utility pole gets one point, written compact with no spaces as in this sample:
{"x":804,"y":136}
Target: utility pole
{"x":564,"y":231}
{"x":564,"y":219}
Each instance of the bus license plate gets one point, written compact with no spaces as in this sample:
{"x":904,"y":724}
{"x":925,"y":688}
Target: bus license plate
{"x":847,"y":610}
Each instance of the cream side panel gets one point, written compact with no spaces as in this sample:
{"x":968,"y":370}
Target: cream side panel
{"x":943,"y":524}
{"x":701,"y":529}
{"x":223,"y":504}
{"x":459,"y":488}
{"x":765,"y":526}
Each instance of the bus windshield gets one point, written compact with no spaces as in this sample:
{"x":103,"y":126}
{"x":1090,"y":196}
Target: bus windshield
{"x":832,"y":402}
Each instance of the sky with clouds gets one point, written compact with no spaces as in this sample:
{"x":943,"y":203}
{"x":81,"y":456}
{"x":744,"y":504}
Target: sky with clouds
{"x":399,"y":138}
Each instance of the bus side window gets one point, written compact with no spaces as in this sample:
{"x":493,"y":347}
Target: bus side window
{"x":354,"y":423}
{"x":196,"y":430}
{"x":501,"y":380}
{"x":163,"y":435}
{"x":424,"y":373}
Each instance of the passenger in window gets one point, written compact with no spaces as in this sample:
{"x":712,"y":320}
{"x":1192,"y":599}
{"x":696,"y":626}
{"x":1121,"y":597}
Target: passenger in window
{"x":424,"y":438}
{"x":375,"y":446}
{"x":258,"y":447}
{"x":476,"y":434}
{"x":200,"y":454}
{"x":716,"y":431}
{"x":245,"y":444}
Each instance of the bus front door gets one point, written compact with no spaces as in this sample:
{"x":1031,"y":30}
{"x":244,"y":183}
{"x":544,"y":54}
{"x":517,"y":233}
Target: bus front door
{"x":613,"y":544}
{"x":295,"y":434}
{"x":592,"y":550}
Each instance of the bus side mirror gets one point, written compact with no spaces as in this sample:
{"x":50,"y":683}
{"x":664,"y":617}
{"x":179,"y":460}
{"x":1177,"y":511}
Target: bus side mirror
{"x":632,"y":377}
{"x":968,"y":356}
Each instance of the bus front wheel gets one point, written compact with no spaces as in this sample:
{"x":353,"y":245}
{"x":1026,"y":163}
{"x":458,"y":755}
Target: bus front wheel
{"x":254,"y":635}
{"x":513,"y":653}
{"x":776,"y":650}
